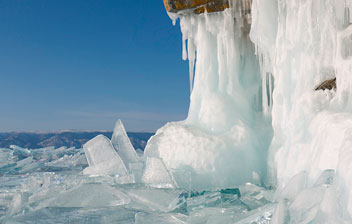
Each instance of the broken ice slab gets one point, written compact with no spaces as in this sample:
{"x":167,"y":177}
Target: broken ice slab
{"x":111,"y":167}
{"x":183,"y":179}
{"x":20,"y":152}
{"x":154,"y":199}
{"x":127,"y":179}
{"x":230,"y":193}
{"x":156,"y":174}
{"x":6,"y":157}
{"x":206,"y":200}
{"x":137,"y":170}
{"x":102,"y":157}
{"x":16,"y":204}
{"x":76,"y":215}
{"x":305,"y":206}
{"x":281,"y":213}
{"x":165,"y":218}
{"x":123,"y":145}
{"x":91,"y":195}
{"x":254,"y":202}
{"x":67,"y":162}
{"x":260,"y":215}
{"x":29,"y":168}
{"x":254,"y":196}
{"x":21,"y":166}
{"x":216,"y":215}
{"x":294,"y":186}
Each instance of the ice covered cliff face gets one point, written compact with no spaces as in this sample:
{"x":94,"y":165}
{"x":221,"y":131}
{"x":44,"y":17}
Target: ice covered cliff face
{"x":298,"y":45}
{"x":225,"y":136}
{"x":303,"y":43}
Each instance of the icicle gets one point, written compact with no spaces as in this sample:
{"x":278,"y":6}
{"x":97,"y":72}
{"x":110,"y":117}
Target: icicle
{"x":191,"y":59}
{"x":184,"y":52}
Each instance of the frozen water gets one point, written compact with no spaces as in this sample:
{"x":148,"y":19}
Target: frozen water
{"x":156,"y":174}
{"x":164,"y":200}
{"x":65,"y":195}
{"x":123,"y":145}
{"x":147,"y":218}
{"x":294,"y":186}
{"x":137,"y":170}
{"x":253,"y":109}
{"x":83,"y":196}
{"x":102,"y":157}
{"x":225,"y":136}
{"x":206,"y":200}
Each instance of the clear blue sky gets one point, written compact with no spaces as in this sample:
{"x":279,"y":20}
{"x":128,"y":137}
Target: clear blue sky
{"x":82,"y":64}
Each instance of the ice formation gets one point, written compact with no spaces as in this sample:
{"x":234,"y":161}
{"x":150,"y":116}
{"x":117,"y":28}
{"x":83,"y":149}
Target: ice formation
{"x":102,"y":157}
{"x":225,"y":136}
{"x":259,"y":145}
{"x":298,"y":45}
{"x":122,"y":144}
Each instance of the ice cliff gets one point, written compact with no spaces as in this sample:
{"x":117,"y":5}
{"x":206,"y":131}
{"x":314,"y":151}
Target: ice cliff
{"x":243,"y":83}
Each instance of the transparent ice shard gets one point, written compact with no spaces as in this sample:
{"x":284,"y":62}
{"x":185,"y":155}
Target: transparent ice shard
{"x":207,"y":200}
{"x":217,"y":215}
{"x":156,"y":174}
{"x":127,"y":179}
{"x":137,"y":170}
{"x":295,"y":186}
{"x":281,"y":213}
{"x":306,"y":205}
{"x":20,"y":152}
{"x":152,"y":218}
{"x":154,"y":199}
{"x":16,"y":204}
{"x":259,"y":215}
{"x":123,"y":145}
{"x":102,"y":157}
{"x":91,"y":195}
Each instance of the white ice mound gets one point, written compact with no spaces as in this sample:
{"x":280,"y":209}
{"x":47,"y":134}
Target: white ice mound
{"x":224,"y":138}
{"x":102,"y":158}
{"x":156,"y":174}
{"x":213,"y":160}
{"x":123,"y":145}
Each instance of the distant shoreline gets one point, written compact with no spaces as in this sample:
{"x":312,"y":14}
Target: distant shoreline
{"x":68,"y":138}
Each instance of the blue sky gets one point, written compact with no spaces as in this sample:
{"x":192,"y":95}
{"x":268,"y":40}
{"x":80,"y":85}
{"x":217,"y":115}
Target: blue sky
{"x":83,"y":64}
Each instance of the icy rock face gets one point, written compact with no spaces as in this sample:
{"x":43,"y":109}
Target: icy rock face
{"x":102,"y":157}
{"x":303,"y":43}
{"x":225,"y":137}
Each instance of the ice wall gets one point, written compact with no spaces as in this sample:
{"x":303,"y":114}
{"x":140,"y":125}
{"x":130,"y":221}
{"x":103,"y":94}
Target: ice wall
{"x":302,"y":43}
{"x":225,"y":136}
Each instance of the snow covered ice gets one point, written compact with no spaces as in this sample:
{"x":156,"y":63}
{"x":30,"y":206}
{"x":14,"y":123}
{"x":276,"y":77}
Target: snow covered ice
{"x":259,"y":144}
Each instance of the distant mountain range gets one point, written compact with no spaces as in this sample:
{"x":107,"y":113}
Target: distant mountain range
{"x":33,"y":140}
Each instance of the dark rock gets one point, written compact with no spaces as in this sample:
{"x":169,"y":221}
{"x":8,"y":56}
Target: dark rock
{"x":327,"y":84}
{"x":198,"y":6}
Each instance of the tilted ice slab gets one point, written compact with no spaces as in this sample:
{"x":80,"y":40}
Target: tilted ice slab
{"x":91,"y":195}
{"x":102,"y":157}
{"x":156,"y":174}
{"x":123,"y":145}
